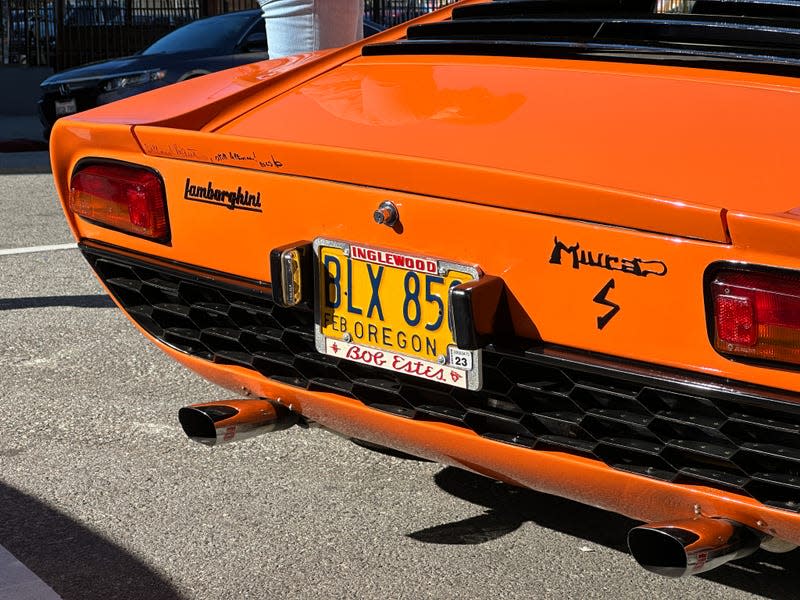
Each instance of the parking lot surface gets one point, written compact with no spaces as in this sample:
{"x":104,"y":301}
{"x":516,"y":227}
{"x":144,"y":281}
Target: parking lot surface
{"x":102,"y":496}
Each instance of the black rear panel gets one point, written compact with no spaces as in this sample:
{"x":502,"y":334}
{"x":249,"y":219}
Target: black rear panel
{"x":673,"y":426}
{"x":710,"y":33}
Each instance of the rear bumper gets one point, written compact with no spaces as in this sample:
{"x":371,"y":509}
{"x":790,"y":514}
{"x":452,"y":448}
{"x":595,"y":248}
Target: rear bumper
{"x":558,"y":473}
{"x":649,"y":444}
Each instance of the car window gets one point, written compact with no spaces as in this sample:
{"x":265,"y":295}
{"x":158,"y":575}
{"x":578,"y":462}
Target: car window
{"x":255,"y":40}
{"x":91,"y":15}
{"x":222,"y":33}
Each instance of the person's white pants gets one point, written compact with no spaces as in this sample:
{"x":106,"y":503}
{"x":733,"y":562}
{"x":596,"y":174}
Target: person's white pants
{"x":295,"y":26}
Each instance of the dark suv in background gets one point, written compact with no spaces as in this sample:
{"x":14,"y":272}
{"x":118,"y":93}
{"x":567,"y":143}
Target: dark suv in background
{"x":198,"y":48}
{"x":195,"y":49}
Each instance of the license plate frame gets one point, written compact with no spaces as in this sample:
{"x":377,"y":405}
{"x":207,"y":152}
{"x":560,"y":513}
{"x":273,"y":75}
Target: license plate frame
{"x":455,"y":367}
{"x":66,"y":107}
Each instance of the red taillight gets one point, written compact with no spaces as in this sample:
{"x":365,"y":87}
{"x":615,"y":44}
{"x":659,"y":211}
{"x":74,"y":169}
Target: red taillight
{"x":757,"y":315}
{"x":130,"y":199}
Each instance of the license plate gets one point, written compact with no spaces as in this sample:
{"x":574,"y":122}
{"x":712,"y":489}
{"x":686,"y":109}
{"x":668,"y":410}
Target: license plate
{"x":392,"y":310}
{"x":67,"y":107}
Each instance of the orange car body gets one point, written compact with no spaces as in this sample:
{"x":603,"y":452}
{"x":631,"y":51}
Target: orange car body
{"x":583,"y":185}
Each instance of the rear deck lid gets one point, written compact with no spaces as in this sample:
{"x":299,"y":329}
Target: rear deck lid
{"x":625,"y":123}
{"x":681,"y":140}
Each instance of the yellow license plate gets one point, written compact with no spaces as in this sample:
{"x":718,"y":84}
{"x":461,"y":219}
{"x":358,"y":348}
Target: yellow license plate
{"x":391,"y":310}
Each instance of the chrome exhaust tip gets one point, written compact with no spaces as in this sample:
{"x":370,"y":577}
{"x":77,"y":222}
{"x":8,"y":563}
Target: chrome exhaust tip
{"x":689,"y":547}
{"x":214,"y":423}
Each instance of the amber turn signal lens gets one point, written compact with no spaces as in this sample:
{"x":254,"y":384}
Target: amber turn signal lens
{"x":757,"y":315}
{"x":292,"y":278}
{"x":121,"y":197}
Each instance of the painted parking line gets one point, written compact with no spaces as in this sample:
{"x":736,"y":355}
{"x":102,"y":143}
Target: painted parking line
{"x":31,"y":249}
{"x":17,"y":582}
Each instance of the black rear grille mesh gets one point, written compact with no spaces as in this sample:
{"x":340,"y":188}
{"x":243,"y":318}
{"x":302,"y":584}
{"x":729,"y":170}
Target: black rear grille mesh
{"x":686,"y":431}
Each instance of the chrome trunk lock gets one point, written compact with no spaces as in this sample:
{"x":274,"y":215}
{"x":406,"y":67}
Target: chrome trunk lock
{"x":386,"y":214}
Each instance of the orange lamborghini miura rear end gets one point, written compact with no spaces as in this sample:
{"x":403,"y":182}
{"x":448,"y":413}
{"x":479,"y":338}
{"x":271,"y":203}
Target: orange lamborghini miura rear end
{"x":553,"y":242}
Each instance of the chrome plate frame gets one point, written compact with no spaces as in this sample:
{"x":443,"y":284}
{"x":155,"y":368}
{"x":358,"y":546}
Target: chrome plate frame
{"x":323,"y":343}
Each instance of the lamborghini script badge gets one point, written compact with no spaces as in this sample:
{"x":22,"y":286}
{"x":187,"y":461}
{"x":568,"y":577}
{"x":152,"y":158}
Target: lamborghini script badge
{"x":237,"y":199}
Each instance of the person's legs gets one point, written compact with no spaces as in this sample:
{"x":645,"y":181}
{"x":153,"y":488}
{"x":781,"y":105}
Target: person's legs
{"x":339,"y":22}
{"x":290,"y":26}
{"x":295,"y":26}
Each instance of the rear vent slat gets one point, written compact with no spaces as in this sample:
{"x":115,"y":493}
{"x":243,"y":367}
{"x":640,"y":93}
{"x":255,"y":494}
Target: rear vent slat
{"x":733,"y":35}
{"x":675,"y":30}
{"x":523,"y":8}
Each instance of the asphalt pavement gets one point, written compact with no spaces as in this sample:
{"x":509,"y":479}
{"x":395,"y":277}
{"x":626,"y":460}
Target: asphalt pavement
{"x":102,"y":497}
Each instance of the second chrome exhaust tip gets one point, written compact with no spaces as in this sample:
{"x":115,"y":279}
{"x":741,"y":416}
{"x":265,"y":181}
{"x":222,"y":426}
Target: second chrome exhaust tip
{"x":689,"y":547}
{"x":214,"y":423}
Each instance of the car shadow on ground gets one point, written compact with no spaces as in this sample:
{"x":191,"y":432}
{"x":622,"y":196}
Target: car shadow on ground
{"x":508,"y":508}
{"x":77,"y":563}
{"x":86,"y":301}
{"x":24,"y":163}
{"x":23,"y":145}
